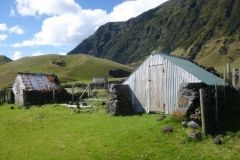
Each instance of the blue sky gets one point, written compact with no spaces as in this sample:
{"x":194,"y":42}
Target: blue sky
{"x":39,"y":27}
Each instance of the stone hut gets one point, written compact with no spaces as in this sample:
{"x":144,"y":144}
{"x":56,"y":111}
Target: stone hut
{"x":33,"y":88}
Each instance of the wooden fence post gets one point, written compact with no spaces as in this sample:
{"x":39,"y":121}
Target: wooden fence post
{"x":224,"y":83}
{"x":233,"y":77}
{"x":72,"y":93}
{"x":53,"y":94}
{"x":238,"y":83}
{"x":216,"y":98}
{"x":228,"y":71}
{"x":202,"y":111}
{"x":0,"y":97}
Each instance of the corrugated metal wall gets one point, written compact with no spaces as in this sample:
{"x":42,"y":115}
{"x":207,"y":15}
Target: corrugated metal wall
{"x":174,"y":77}
{"x":155,"y":85}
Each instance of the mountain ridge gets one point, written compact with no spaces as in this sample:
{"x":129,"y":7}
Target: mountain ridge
{"x":198,"y":30}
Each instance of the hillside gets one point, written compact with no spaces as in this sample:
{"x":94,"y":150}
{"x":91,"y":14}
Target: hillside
{"x":4,"y":60}
{"x":68,"y":68}
{"x":204,"y":31}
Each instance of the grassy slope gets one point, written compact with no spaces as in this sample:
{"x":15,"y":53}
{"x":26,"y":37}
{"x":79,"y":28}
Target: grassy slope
{"x":77,"y":67}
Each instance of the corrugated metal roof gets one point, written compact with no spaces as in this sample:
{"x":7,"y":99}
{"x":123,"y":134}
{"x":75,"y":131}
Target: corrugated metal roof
{"x":39,"y":82}
{"x":195,"y":70}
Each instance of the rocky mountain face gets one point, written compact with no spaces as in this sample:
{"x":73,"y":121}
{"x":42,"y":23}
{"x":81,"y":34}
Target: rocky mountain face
{"x":204,"y":31}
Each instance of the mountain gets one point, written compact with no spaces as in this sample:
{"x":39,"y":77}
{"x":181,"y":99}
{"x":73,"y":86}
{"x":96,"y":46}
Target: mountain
{"x":207,"y":32}
{"x":68,"y":68}
{"x":4,"y":60}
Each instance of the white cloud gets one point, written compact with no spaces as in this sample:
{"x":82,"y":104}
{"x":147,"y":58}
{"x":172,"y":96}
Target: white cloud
{"x":3,"y":27}
{"x":68,"y":24}
{"x":3,"y":37}
{"x":38,"y":53}
{"x":16,"y":29}
{"x":48,"y":7}
{"x":133,"y":8}
{"x":12,"y":12}
{"x":62,"y":53}
{"x":17,"y":55}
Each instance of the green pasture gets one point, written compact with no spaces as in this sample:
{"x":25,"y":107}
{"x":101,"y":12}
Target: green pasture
{"x":57,"y":132}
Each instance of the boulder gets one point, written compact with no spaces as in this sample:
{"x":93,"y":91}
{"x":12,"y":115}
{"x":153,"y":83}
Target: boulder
{"x":167,"y":129}
{"x":193,"y":124}
{"x":194,"y":134}
{"x":217,"y":139}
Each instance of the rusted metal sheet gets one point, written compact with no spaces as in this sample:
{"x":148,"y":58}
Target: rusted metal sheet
{"x":38,"y":82}
{"x":156,"y":82}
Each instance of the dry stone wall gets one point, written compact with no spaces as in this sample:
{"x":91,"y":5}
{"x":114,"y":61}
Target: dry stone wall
{"x":119,"y":100}
{"x":189,"y":101}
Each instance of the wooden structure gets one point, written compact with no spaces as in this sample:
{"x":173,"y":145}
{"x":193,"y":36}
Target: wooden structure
{"x":32,"y":88}
{"x":154,"y":85}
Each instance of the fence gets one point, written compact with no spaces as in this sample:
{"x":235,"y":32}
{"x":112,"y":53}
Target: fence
{"x":2,"y":96}
{"x":212,"y":99}
{"x":232,"y":78}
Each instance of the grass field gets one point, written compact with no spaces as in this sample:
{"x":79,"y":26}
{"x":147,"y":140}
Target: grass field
{"x":53,"y":132}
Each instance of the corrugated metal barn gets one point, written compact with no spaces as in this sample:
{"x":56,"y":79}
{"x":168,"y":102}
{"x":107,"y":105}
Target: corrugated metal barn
{"x":154,"y":85}
{"x":34,"y":88}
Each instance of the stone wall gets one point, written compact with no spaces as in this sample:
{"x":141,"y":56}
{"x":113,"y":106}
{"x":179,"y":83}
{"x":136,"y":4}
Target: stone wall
{"x":188,"y":99}
{"x":120,"y":102}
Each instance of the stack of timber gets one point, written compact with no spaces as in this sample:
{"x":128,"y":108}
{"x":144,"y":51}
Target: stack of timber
{"x":120,"y":102}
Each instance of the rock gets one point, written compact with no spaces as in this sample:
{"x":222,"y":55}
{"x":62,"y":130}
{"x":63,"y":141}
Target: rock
{"x":161,"y":118}
{"x":184,"y":124}
{"x":217,"y":140}
{"x":167,"y":129}
{"x":194,"y":134}
{"x":193,"y":124}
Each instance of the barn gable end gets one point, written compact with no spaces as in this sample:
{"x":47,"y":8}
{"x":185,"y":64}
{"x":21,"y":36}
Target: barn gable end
{"x":154,"y":85}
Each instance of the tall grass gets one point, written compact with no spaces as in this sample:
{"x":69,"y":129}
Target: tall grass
{"x":92,"y":134}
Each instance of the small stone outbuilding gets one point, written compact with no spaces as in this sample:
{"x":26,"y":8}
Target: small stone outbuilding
{"x":99,"y":80}
{"x":33,"y":88}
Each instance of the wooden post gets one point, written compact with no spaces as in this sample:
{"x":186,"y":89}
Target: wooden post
{"x":88,"y":90}
{"x":233,"y":77}
{"x":228,"y":71}
{"x":202,"y":111}
{"x":0,"y":97}
{"x":53,"y":94}
{"x":238,"y":81}
{"x":72,"y":93}
{"x":224,"y":83}
{"x":216,"y":98}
